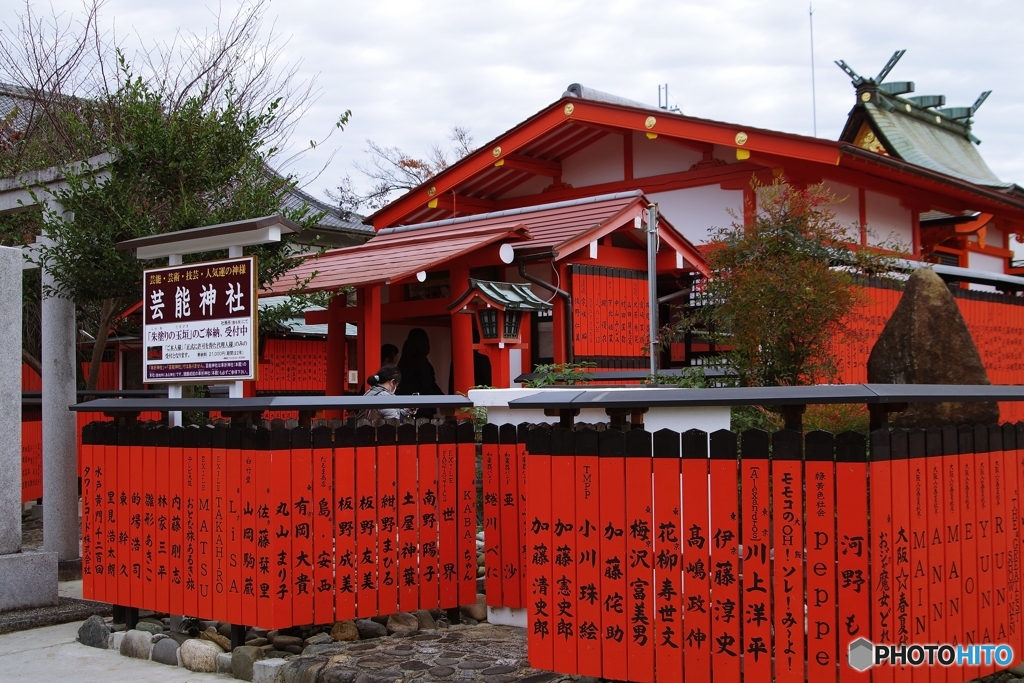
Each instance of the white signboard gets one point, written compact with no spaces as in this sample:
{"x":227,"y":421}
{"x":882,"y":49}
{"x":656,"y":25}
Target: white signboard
{"x":200,"y":322}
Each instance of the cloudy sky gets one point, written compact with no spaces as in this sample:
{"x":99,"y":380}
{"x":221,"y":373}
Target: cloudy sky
{"x":409,"y":70}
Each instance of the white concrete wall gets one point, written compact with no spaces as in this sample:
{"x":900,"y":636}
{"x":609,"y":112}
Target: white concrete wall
{"x":888,"y":221}
{"x":695,"y":211}
{"x":601,"y":162}
{"x":654,"y":157}
{"x":705,"y":418}
{"x":987,"y":263}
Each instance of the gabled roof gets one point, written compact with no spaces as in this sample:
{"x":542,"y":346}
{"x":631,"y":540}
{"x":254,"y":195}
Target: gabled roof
{"x":390,"y":258}
{"x":559,"y":229}
{"x":503,"y":295}
{"x":917,"y":129}
{"x":485,"y":180}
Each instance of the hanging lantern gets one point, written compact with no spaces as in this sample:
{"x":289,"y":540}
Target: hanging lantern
{"x":499,"y":307}
{"x":488,"y":319}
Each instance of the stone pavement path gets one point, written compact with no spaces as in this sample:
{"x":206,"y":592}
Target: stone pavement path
{"x":459,"y":654}
{"x":51,"y":654}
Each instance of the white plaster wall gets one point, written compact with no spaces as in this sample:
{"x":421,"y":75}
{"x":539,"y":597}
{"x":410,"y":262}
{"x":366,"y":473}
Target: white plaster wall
{"x":440,"y":355}
{"x":888,"y":220}
{"x":601,"y":162}
{"x":987,"y":263}
{"x":695,"y":211}
{"x":654,"y":157}
{"x":846,"y":207}
{"x":534,"y":185}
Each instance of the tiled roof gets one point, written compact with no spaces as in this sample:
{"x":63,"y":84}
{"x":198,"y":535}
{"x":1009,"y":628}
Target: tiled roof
{"x":561,"y":228}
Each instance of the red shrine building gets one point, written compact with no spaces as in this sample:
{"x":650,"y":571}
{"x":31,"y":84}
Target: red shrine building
{"x":557,"y":203}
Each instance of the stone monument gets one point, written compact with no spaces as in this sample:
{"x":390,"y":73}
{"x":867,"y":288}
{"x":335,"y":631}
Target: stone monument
{"x":926,"y":341}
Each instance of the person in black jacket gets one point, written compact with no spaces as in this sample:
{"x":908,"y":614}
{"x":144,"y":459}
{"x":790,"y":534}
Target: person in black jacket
{"x":418,"y":376}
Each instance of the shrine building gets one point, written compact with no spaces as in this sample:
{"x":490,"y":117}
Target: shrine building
{"x":556,"y":204}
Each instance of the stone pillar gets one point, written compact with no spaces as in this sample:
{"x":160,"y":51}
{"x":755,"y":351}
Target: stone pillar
{"x":60,"y":443}
{"x":10,"y":400}
{"x":26,"y":579}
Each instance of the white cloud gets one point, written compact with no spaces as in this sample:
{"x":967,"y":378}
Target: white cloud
{"x":409,"y":69}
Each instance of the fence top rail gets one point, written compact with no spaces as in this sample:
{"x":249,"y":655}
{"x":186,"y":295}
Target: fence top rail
{"x":282,"y":403}
{"x":872,"y":394}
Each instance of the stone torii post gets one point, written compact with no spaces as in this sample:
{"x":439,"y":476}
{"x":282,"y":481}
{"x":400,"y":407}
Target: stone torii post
{"x":59,"y":337}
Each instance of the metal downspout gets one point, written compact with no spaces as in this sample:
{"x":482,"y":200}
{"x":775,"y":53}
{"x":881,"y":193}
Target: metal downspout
{"x":558,"y":292}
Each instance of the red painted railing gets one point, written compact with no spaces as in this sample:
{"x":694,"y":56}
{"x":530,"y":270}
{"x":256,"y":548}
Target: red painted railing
{"x":697,"y":557}
{"x":279,"y":528}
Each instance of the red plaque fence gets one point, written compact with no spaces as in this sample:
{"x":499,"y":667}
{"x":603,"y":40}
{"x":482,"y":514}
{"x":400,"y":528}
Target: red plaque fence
{"x":697,"y":557}
{"x":279,"y":527}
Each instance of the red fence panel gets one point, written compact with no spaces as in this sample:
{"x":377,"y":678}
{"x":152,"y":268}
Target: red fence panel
{"x":852,"y":535}
{"x":539,"y":634}
{"x":668,"y":553}
{"x":563,"y":549}
{"x":725,"y":556}
{"x":822,"y":617}
{"x":756,"y":588}
{"x":787,"y":533}
{"x":588,"y":549}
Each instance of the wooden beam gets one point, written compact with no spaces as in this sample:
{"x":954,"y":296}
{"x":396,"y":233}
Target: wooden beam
{"x":418,"y":308}
{"x":649,"y":184}
{"x":461,"y":205}
{"x":521,"y":162}
{"x":713,"y":132}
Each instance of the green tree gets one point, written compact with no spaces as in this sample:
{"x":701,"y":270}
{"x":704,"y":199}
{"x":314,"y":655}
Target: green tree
{"x":191,"y":144}
{"x":781,"y":288}
{"x":172,"y":169}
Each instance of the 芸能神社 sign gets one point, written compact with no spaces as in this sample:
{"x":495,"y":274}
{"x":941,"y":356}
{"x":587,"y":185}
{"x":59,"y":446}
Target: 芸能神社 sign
{"x":199,"y":321}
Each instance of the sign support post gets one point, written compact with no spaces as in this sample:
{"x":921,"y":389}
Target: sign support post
{"x":652,"y":283}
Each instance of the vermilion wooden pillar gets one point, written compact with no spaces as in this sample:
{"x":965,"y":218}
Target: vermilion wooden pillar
{"x":462,"y":334}
{"x":337,"y":361}
{"x":368,"y":341}
{"x":561,"y":323}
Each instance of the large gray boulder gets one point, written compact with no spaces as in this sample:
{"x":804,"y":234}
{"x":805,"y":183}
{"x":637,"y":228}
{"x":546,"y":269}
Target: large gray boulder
{"x":242,"y":660}
{"x":166,"y":652}
{"x":200,"y":655}
{"x":926,"y":341}
{"x":94,"y":632}
{"x":136,"y":644}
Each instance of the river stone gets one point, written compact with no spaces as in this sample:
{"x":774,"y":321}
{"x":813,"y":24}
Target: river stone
{"x":388,"y":676}
{"x":200,"y":655}
{"x":414,"y":665}
{"x":926,"y":341}
{"x":301,"y":670}
{"x":318,"y":639}
{"x":256,"y":642}
{"x":474,"y":665}
{"x":281,"y":642}
{"x":94,"y":633}
{"x":136,"y":644}
{"x":498,"y":670}
{"x":166,"y":652}
{"x":149,"y":627}
{"x":333,"y":673}
{"x":441,"y":671}
{"x":345,"y":631}
{"x":477,"y":611}
{"x":425,"y":619}
{"x":224,"y":628}
{"x":370,"y":629}
{"x":403,"y":624}
{"x":293,"y":649}
{"x":211,"y":635}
